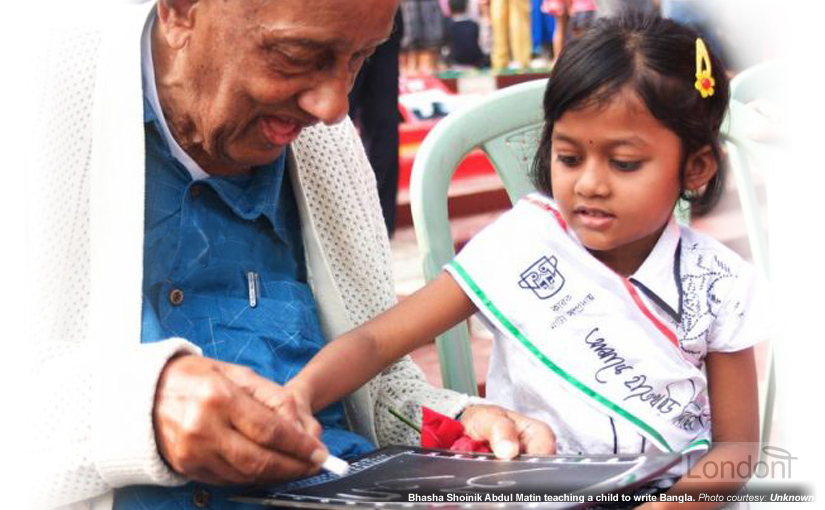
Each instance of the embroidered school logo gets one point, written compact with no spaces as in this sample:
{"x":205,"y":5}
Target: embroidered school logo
{"x":543,"y":278}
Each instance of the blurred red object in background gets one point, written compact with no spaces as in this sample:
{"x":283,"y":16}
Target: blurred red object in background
{"x":422,"y":102}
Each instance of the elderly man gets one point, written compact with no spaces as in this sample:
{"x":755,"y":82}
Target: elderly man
{"x":204,"y":219}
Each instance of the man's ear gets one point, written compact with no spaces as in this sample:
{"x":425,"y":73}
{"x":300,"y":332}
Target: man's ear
{"x":700,"y":168}
{"x":176,"y":19}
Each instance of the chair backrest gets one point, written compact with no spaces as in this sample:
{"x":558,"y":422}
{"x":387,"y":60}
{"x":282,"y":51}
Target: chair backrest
{"x":507,"y":125}
{"x":761,"y":82}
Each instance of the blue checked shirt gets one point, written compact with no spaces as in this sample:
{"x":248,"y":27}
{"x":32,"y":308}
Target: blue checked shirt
{"x":224,"y":268}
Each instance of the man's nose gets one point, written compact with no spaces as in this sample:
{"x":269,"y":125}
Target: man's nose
{"x":328,"y":99}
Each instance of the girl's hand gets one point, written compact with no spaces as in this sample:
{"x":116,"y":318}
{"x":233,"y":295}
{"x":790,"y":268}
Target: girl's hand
{"x":295,"y":403}
{"x":509,"y":433}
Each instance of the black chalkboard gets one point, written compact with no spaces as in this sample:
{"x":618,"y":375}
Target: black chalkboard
{"x":408,"y":477}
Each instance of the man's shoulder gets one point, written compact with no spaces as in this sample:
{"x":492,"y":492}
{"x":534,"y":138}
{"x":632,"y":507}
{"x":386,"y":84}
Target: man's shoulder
{"x":76,"y":33}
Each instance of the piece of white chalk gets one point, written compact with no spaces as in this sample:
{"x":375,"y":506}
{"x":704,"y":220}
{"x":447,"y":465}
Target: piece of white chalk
{"x":335,"y":465}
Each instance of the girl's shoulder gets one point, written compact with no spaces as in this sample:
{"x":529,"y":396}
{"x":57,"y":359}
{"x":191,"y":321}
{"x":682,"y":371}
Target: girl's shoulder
{"x":705,"y":263}
{"x":700,"y":249}
{"x":724,"y":298}
{"x":531,"y":215}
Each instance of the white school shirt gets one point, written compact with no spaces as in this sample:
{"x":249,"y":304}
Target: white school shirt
{"x":699,"y":288}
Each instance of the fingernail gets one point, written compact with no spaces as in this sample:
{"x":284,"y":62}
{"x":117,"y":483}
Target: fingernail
{"x":505,"y":449}
{"x":318,"y":456}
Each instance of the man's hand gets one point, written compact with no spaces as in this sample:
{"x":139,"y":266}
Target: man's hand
{"x":508,"y":432}
{"x":213,"y":424}
{"x":296,"y":399}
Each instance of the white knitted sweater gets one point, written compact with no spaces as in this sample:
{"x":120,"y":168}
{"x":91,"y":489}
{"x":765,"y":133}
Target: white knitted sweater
{"x":94,"y":380}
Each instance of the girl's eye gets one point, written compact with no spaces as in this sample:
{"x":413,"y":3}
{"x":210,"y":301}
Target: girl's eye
{"x":568,"y":160}
{"x":625,"y":166}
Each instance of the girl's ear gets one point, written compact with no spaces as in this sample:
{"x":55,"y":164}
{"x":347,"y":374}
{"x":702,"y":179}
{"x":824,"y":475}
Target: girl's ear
{"x":700,"y":168}
{"x":176,"y":19}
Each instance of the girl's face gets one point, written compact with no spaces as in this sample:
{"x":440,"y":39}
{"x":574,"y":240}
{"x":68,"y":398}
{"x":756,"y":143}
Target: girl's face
{"x":615,"y":175}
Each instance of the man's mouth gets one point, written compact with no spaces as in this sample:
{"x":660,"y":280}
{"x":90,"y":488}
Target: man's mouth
{"x":280,"y":131}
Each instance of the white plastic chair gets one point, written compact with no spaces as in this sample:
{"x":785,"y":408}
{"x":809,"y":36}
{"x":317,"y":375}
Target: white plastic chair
{"x":506,"y":125}
{"x":761,"y":82}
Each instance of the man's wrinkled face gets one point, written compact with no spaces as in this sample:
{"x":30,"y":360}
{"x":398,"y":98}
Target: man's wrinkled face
{"x":258,"y":71}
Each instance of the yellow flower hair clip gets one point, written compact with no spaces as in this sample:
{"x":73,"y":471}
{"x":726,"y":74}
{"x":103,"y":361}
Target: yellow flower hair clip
{"x":704,"y":77}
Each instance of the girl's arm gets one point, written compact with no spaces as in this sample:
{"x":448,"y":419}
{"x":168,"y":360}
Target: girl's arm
{"x":735,"y":414}
{"x":354,"y":358}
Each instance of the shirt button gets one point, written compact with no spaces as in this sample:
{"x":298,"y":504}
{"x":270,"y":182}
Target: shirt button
{"x":176,"y":296}
{"x":195,"y":190}
{"x":200,"y":498}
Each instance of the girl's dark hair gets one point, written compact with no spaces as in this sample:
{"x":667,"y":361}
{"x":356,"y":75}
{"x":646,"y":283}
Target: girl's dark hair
{"x":656,"y":57}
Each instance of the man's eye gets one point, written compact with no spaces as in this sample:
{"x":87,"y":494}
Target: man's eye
{"x":294,"y":62}
{"x":625,"y":166}
{"x":359,"y":59}
{"x":288,"y":63}
{"x":568,"y":160}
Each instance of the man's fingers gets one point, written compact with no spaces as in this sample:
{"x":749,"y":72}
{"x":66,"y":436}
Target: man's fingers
{"x":263,"y":390}
{"x":217,"y":471}
{"x":298,"y":413}
{"x":286,"y":408}
{"x":311,"y":426}
{"x":270,"y":429}
{"x":257,"y":464}
{"x":273,"y":396}
{"x":207,"y":476}
{"x":535,"y":437}
{"x":210,"y":427}
{"x":227,"y":473}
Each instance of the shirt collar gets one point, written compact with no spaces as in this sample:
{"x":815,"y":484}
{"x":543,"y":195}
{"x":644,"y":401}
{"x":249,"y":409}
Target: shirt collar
{"x":250,"y":196}
{"x":150,"y":93}
{"x":658,"y":276}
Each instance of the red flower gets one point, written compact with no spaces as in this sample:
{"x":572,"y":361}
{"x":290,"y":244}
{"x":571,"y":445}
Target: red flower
{"x":439,"y":431}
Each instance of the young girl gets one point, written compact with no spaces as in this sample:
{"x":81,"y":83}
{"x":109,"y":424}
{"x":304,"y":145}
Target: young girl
{"x":624,"y":331}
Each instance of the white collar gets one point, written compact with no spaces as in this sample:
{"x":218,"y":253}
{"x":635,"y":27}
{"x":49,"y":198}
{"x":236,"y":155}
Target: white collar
{"x":659,"y":276}
{"x":151,"y":92}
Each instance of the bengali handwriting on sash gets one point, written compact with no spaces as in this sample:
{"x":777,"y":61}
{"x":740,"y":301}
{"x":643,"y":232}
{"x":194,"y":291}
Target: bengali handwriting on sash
{"x":636,"y":385}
